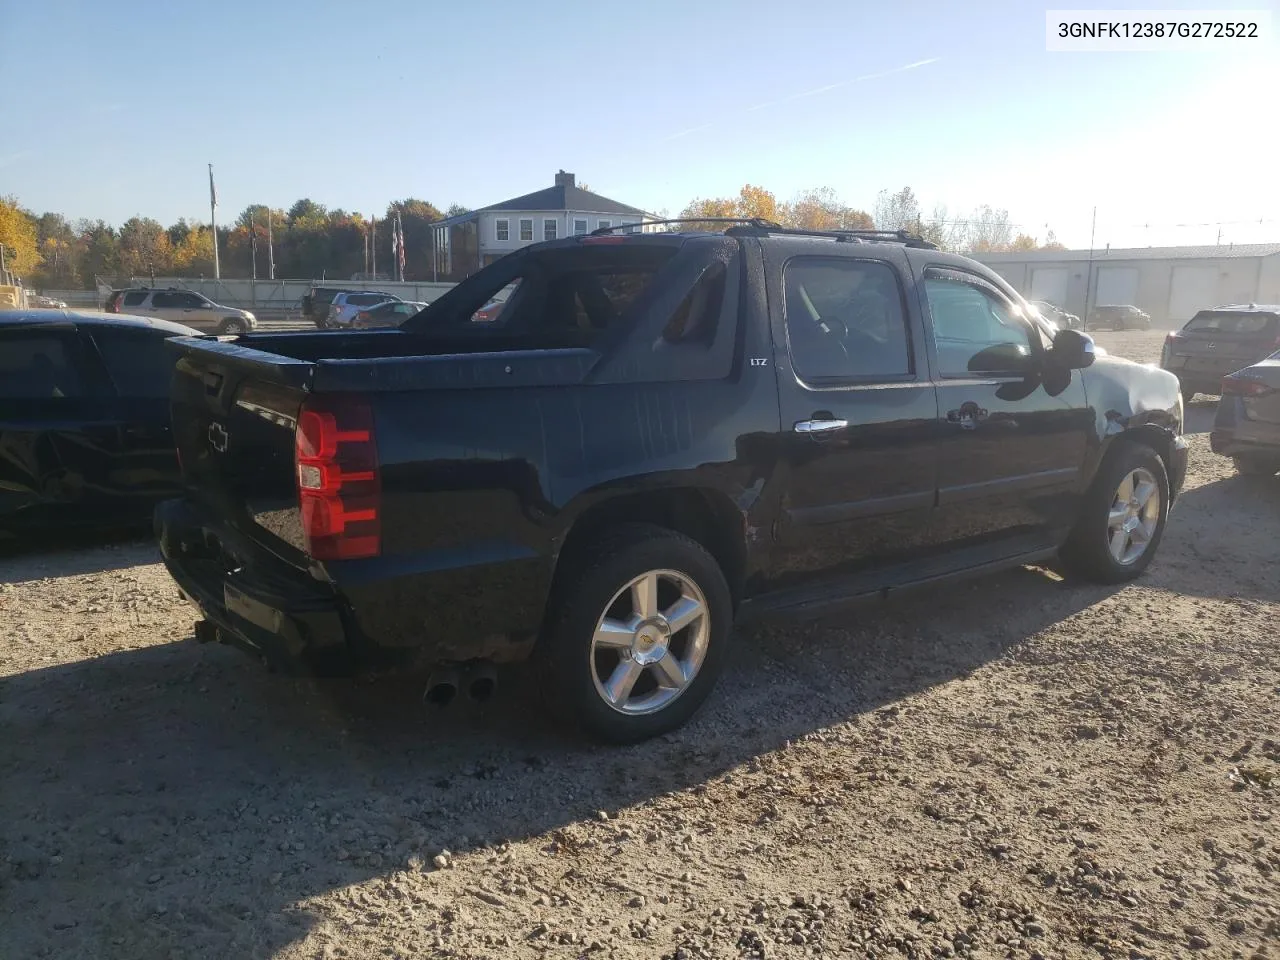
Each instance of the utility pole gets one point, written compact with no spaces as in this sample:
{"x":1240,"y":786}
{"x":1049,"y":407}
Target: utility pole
{"x":1088,"y":280}
{"x":271,"y":250}
{"x":373,"y":244}
{"x":213,"y":224}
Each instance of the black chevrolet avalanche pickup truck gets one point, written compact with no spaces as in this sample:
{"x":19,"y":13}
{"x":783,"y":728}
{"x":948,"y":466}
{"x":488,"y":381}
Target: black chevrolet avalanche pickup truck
{"x":662,"y":434}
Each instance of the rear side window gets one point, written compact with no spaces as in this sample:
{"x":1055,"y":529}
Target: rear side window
{"x":134,"y":297}
{"x":35,"y":367}
{"x":845,"y":320}
{"x":1232,"y":322}
{"x":137,"y":361}
{"x":162,"y":301}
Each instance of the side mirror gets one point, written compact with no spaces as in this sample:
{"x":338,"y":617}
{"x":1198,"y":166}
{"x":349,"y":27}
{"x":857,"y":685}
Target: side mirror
{"x":1072,"y":350}
{"x":1012,"y":358}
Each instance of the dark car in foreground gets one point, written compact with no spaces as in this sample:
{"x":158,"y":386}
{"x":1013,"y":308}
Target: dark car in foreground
{"x":659,"y":435}
{"x":1246,"y":427}
{"x":1218,"y":342}
{"x":84,"y":419}
{"x":1119,"y":317}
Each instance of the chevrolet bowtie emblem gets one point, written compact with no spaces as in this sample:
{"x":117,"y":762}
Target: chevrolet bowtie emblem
{"x":218,"y":437}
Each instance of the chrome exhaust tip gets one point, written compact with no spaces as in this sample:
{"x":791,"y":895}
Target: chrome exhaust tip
{"x":442,"y":687}
{"x":482,"y":682}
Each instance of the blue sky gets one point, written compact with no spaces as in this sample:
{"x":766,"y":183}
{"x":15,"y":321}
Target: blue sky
{"x":122,"y":105}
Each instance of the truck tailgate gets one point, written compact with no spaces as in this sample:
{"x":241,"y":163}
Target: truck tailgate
{"x":234,"y":411}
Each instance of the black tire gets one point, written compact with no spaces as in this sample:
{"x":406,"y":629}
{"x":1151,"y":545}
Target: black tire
{"x":1255,"y":466}
{"x":1087,"y":552}
{"x":232,"y":327}
{"x":569,"y":665}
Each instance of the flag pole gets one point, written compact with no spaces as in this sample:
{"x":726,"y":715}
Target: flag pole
{"x":213,"y":224}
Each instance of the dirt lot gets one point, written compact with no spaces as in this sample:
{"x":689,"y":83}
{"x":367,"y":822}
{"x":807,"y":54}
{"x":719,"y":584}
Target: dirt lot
{"x":1017,"y":767}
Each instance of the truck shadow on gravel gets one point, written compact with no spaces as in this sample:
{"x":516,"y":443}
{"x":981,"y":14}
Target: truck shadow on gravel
{"x":177,"y":800}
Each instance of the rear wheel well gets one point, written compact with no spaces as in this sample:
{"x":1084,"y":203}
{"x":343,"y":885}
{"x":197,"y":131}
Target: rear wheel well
{"x":708,"y":517}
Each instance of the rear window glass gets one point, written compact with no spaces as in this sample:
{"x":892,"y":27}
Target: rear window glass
{"x":1232,"y":322}
{"x":134,"y":298}
{"x":565,"y":297}
{"x":36,"y":368}
{"x":137,"y":361}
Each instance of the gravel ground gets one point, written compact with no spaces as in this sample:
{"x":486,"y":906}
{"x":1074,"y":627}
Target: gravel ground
{"x":1018,"y":767}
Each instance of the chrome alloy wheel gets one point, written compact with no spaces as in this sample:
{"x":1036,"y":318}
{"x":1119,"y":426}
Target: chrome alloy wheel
{"x":650,"y":642}
{"x":1134,"y":516}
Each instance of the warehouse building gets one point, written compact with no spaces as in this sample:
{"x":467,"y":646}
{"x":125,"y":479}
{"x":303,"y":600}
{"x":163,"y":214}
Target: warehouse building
{"x":1170,"y":283}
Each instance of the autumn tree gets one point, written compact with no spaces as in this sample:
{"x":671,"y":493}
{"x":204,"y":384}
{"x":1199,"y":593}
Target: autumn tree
{"x":1051,"y":242}
{"x":821,"y":209}
{"x":20,"y":238}
{"x":698,"y":208}
{"x":897,"y":211}
{"x":144,"y":247}
{"x":100,"y":247}
{"x":988,"y":230}
{"x":1022,"y":242}
{"x":193,"y":255}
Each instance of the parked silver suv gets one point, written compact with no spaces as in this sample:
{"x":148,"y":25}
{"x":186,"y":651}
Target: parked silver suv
{"x":345,"y":306}
{"x":182,"y":306}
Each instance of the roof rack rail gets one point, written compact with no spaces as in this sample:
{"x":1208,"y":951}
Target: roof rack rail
{"x":758,"y":222}
{"x":754,"y":226}
{"x":858,"y":236}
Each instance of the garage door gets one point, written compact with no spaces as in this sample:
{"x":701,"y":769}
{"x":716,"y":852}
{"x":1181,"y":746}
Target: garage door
{"x":1049,"y":283}
{"x":1193,"y":289}
{"x":1116,"y":285}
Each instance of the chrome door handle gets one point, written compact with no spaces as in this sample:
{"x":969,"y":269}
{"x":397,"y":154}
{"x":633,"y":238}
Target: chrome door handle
{"x":820,"y":427}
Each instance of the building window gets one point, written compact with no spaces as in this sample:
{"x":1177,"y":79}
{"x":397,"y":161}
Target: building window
{"x":603,"y":223}
{"x":631,"y":227}
{"x":579,"y":227}
{"x":548,"y":229}
{"x":502,"y":230}
{"x":526,"y":231}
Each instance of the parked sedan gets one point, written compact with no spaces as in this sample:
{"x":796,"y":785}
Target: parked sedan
{"x":389,"y":314}
{"x":45,"y":303}
{"x":84,"y":419}
{"x":1056,"y":315}
{"x":1247,"y":425}
{"x":1217,"y":342}
{"x":1123,"y":316}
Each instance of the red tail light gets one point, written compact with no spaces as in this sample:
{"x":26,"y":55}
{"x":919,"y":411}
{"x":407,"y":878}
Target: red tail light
{"x":1244,"y":387}
{"x":339,"y":487}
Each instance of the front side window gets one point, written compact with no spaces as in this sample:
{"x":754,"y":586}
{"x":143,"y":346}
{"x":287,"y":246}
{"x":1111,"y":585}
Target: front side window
{"x":164,"y":301}
{"x":976,"y":331}
{"x":35,"y":367}
{"x":502,"y":230}
{"x":549,"y":229}
{"x":526,"y":231}
{"x":193,"y":300}
{"x":845,"y":320}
